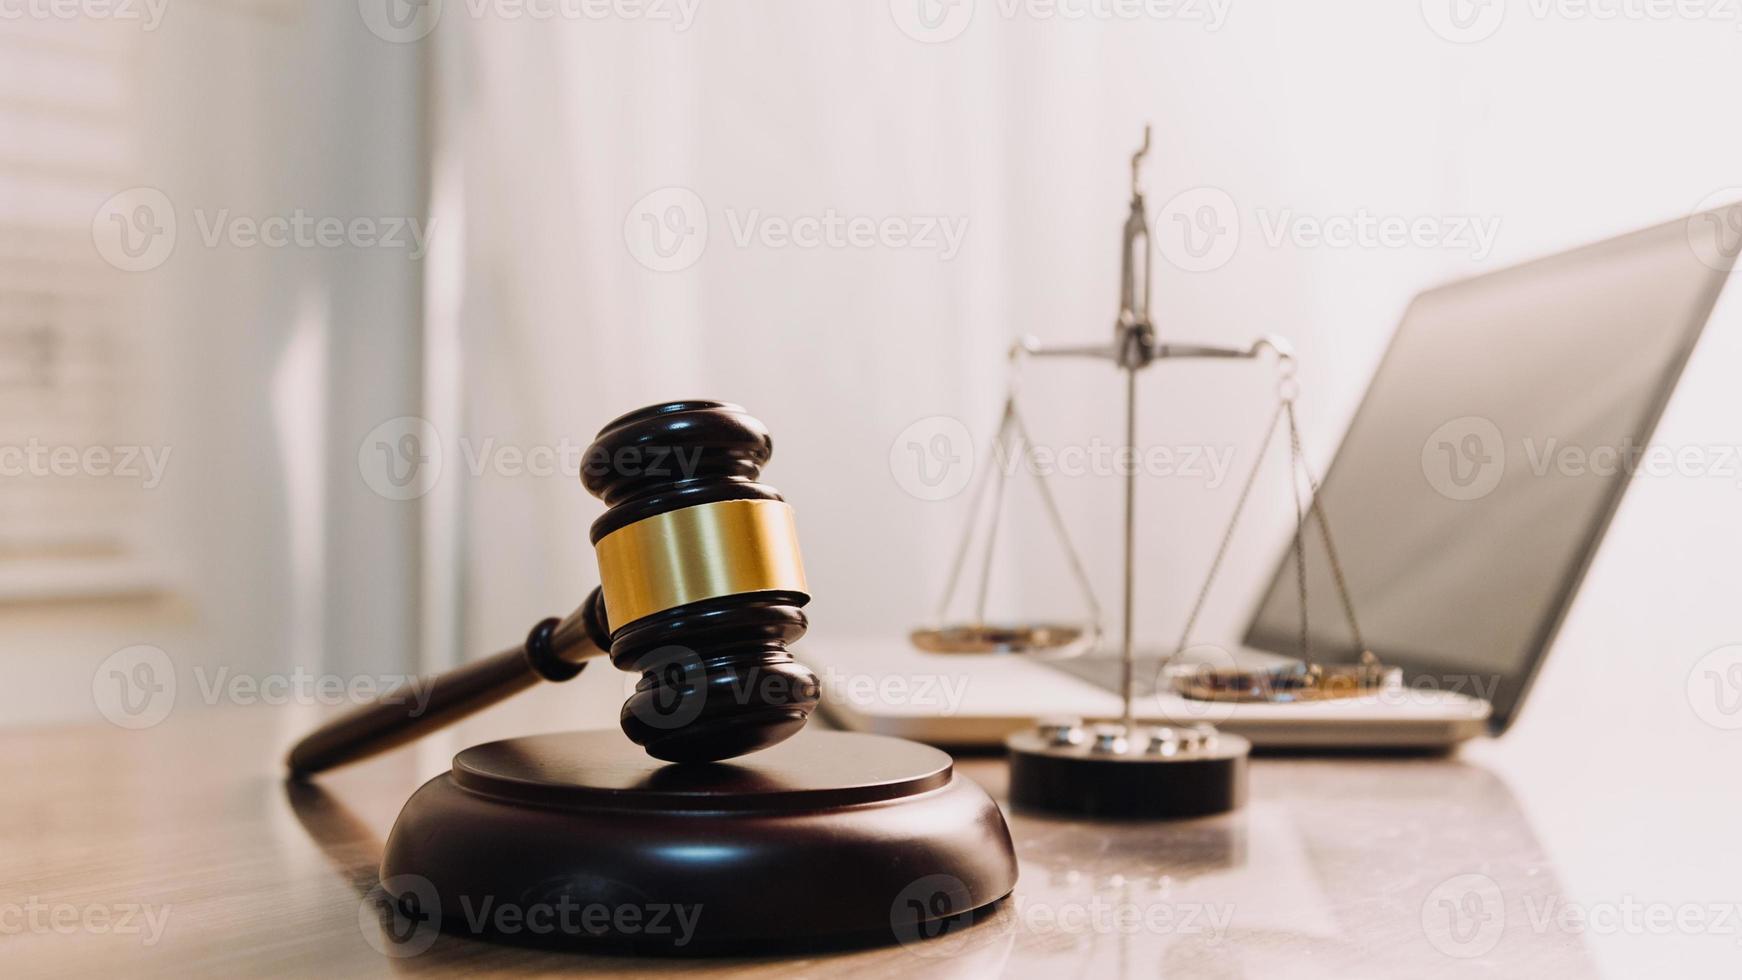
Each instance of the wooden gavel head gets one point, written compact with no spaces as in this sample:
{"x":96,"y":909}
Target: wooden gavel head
{"x":702,"y":582}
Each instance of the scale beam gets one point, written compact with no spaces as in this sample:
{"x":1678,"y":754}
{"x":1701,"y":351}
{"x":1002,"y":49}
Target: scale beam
{"x":1030,"y":347}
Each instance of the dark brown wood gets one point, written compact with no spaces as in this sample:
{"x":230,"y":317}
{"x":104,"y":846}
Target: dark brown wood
{"x":679,"y":454}
{"x":717,"y":678}
{"x":571,"y":770}
{"x":828,"y":838}
{"x":555,"y":650}
{"x":378,"y":727}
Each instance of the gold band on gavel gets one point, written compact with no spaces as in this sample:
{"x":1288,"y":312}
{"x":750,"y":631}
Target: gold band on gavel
{"x":696,"y":553}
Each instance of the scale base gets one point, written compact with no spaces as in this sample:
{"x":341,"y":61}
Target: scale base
{"x":1105,"y":771}
{"x":580,"y":839}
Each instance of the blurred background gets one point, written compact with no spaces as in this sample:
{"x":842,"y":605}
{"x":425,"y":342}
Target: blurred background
{"x":308,"y":311}
{"x":343,"y":290}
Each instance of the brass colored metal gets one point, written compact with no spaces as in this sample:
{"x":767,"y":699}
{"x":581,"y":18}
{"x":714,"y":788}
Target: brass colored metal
{"x":701,"y":552}
{"x":1040,"y":640}
{"x":1294,"y":682}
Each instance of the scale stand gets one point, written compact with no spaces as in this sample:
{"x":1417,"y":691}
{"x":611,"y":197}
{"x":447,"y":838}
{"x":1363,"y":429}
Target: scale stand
{"x":1122,"y":768}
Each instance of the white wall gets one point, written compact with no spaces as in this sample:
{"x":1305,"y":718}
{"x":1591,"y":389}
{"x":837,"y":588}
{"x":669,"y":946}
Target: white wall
{"x":257,"y":369}
{"x":281,"y":358}
{"x":1562,"y":132}
{"x":274,"y":365}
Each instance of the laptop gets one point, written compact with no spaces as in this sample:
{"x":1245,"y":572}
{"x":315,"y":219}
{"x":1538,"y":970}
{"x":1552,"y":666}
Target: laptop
{"x":1467,"y":499}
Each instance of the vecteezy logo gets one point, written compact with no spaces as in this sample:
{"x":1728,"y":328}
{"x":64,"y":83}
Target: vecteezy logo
{"x":1464,"y":21}
{"x":400,"y":21}
{"x":933,"y":459}
{"x":1715,"y":688}
{"x":134,"y":687}
{"x":680,"y":694}
{"x":1465,"y":458}
{"x":134,"y":231}
{"x":1198,"y":657}
{"x":931,"y":915}
{"x":401,"y":459}
{"x":401,"y":916}
{"x":1715,"y":229}
{"x":1198,"y":230}
{"x":667,"y":230}
{"x":1464,"y":916}
{"x":932,"y":21}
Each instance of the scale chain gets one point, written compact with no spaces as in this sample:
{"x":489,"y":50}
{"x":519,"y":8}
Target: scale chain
{"x":998,"y":477}
{"x":961,"y":558}
{"x":1318,"y":512}
{"x":1227,"y":536}
{"x":1058,"y":521}
{"x":1011,"y":441}
{"x":1299,"y":468}
{"x":1294,"y":451}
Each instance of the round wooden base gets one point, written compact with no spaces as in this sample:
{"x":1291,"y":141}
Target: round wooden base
{"x":1113,"y":777}
{"x":582,"y":839}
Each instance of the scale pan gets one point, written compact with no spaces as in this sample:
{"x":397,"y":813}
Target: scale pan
{"x":1052,"y":640}
{"x":1294,"y":682}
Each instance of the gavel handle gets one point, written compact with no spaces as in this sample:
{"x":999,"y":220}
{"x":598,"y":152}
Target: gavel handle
{"x":555,"y":650}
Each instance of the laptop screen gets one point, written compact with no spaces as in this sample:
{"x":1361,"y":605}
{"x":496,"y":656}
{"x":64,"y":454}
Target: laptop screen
{"x":1490,"y":452}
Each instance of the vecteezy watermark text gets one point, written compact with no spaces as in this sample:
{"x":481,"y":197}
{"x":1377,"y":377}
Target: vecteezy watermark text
{"x":300,"y":229}
{"x":1202,"y":228}
{"x":1471,"y":21}
{"x":405,"y":21}
{"x":403,"y":916}
{"x":403,"y":459}
{"x":942,"y":234}
{"x":931,"y":915}
{"x":1466,"y":458}
{"x":137,"y":687}
{"x":138,"y":229}
{"x":940,"y":694}
{"x":1098,"y":457}
{"x":1362,"y":228}
{"x":566,"y":916}
{"x":933,"y":459}
{"x":1467,"y":915}
{"x":306,"y":687}
{"x":937,"y":21}
{"x":37,"y":917}
{"x":668,"y":230}
{"x":148,"y":14}
{"x":35,"y":459}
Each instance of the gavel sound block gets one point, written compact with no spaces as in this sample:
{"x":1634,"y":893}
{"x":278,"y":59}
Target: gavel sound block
{"x":579,"y":839}
{"x":583,"y":838}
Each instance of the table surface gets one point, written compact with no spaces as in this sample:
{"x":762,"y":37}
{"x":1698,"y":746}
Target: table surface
{"x":179,"y":850}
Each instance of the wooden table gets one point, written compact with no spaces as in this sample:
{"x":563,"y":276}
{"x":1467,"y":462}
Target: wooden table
{"x":179,"y":851}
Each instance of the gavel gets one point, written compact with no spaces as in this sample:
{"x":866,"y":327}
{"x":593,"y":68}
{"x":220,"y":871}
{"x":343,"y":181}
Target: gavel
{"x":701,"y":591}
